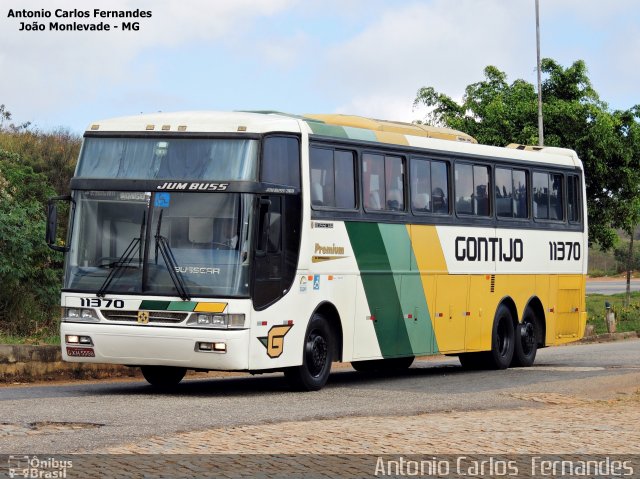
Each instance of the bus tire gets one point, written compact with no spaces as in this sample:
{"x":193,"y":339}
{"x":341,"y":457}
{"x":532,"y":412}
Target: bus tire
{"x":163,"y":377}
{"x":502,"y":340}
{"x":318,"y":346}
{"x":526,"y":340}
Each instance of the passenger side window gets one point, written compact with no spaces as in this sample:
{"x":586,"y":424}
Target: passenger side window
{"x":430,"y":186}
{"x":383,"y":182}
{"x":472,"y":189}
{"x":332,"y":178}
{"x":511,"y":193}
{"x":548,"y":196}
{"x":574,"y":206}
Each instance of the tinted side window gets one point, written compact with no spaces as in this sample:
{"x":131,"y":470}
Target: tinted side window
{"x":511,"y":193}
{"x":573,"y":199}
{"x":472,"y":189}
{"x":440,"y":187}
{"x":332,"y":178}
{"x":345,"y":179}
{"x":464,"y":188}
{"x":430,"y":186}
{"x":556,"y":210}
{"x":383,"y":182}
{"x":541,"y":196}
{"x":373,"y":181}
{"x":394,"y":183}
{"x":281,"y":161}
{"x":548,"y":196}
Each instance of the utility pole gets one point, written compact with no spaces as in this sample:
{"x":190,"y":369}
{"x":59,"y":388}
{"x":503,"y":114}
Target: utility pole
{"x":540,"y":128}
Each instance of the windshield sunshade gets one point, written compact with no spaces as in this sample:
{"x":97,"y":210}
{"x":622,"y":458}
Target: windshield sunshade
{"x":167,"y":158}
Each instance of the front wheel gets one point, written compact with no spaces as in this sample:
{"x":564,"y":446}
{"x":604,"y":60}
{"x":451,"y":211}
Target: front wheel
{"x":313,"y":374}
{"x":526,"y":341}
{"x":163,"y":377}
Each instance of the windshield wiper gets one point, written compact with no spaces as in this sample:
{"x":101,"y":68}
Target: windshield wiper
{"x":170,"y":261}
{"x":125,"y":260}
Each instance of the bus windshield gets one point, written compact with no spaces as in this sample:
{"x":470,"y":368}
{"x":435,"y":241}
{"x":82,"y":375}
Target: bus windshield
{"x":177,"y":244}
{"x":169,"y":158}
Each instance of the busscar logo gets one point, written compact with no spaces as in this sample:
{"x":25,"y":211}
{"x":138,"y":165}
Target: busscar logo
{"x":318,"y":224}
{"x":274,"y":341}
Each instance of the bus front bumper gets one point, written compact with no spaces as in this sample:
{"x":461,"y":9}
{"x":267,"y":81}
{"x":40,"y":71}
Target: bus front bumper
{"x":156,"y":346}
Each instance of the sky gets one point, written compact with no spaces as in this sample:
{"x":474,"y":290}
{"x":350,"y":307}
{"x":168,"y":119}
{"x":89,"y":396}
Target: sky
{"x":361,"y":57}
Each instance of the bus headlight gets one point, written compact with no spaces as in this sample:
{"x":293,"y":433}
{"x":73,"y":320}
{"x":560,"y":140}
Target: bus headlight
{"x":78,"y":314}
{"x":217,"y":321}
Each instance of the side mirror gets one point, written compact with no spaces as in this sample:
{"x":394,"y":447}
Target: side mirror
{"x":51,"y":235}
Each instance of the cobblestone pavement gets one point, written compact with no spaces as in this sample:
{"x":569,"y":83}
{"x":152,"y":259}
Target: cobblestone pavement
{"x":553,"y":424}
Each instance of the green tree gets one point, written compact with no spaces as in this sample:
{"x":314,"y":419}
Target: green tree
{"x":29,"y":271}
{"x":496,"y":112}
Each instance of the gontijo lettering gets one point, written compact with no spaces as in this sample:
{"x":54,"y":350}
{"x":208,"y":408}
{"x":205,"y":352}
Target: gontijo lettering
{"x":469,"y":248}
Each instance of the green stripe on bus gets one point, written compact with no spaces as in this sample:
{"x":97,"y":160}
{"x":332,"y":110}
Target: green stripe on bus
{"x":425,"y":334}
{"x":418,"y":327}
{"x":380,"y":287}
{"x":182,"y":306}
{"x":327,"y":130}
{"x":155,"y":305}
{"x":360,"y":134}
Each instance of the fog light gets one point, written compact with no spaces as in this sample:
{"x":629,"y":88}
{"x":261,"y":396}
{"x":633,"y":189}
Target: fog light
{"x":218,"y":347}
{"x":71,"y":339}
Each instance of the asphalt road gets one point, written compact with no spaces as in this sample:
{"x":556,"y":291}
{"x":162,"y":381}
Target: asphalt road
{"x":611,"y":287}
{"x":88,"y":416}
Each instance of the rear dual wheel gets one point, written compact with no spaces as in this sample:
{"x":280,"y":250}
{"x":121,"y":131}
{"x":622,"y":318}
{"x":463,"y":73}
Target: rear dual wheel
{"x":510,"y":345}
{"x":526,"y":341}
{"x":502,"y":345}
{"x":502,"y":340}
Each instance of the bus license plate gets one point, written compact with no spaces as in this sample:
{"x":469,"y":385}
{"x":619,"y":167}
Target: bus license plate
{"x":81,"y":352}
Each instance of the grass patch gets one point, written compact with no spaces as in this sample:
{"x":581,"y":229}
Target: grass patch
{"x":627,"y":319}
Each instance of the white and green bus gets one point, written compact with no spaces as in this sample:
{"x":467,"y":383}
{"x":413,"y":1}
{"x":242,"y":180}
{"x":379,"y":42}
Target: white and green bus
{"x":270,"y":242}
